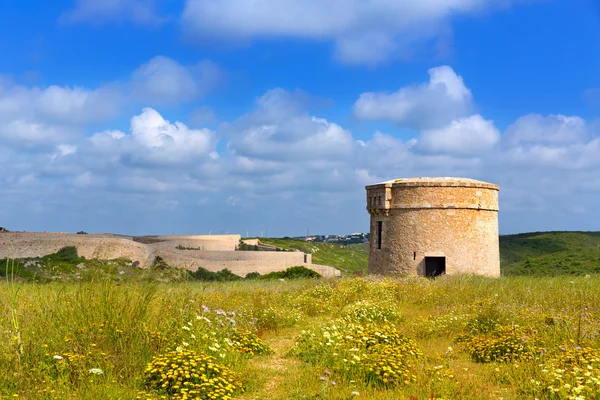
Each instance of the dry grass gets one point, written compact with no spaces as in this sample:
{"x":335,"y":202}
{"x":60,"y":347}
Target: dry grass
{"x":55,"y":337}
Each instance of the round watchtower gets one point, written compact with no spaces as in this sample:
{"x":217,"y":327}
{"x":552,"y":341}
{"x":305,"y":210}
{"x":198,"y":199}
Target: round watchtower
{"x":433,"y":226}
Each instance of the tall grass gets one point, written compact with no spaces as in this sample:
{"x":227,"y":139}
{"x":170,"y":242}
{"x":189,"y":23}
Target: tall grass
{"x":54,"y":336}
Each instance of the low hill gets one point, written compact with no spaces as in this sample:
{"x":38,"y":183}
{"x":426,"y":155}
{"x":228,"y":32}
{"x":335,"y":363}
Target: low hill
{"x":550,"y":253}
{"x":351,"y":259}
{"x":535,"y":253}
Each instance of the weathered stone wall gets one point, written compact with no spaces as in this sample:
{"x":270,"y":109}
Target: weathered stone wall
{"x":456,"y":219}
{"x":23,"y":245}
{"x":205,"y":242}
{"x":243,"y":262}
{"x":215,"y":245}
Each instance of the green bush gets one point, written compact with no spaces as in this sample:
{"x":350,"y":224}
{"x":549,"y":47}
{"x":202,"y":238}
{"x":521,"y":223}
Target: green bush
{"x":297,"y":272}
{"x":252,"y":275}
{"x":66,"y":254}
{"x":159,"y":264}
{"x":225,"y":275}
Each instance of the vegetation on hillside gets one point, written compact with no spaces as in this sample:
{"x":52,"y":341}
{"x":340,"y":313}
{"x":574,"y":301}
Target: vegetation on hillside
{"x":550,"y":253}
{"x":351,"y":259}
{"x":455,"y":337}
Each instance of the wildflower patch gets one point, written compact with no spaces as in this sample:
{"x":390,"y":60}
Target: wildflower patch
{"x":572,"y":372}
{"x":504,"y":344}
{"x":189,"y":375}
{"x":378,"y":355}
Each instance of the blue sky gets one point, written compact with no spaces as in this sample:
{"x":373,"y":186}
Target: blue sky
{"x":190,"y":116}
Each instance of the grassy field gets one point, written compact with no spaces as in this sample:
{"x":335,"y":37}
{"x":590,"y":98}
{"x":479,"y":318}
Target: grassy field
{"x":455,"y":337}
{"x":550,"y":253}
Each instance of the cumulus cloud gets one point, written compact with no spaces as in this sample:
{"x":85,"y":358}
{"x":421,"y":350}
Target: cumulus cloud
{"x":139,"y":12}
{"x":430,"y":105}
{"x":365,"y":32}
{"x":34,"y":135}
{"x":285,"y":162}
{"x":76,"y":105}
{"x":550,"y":130}
{"x":42,"y":117}
{"x":164,"y":81}
{"x":278,"y":129}
{"x":154,"y":140}
{"x":559,"y":141}
{"x":465,"y":136}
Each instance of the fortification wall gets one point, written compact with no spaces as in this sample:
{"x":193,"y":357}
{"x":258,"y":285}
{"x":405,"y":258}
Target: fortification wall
{"x":296,"y":257}
{"x":221,"y":238}
{"x":213,"y":245}
{"x":26,"y":245}
{"x":23,"y":245}
{"x":204,"y":242}
{"x":241,"y":263}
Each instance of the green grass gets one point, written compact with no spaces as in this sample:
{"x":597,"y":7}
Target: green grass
{"x":550,"y":253}
{"x":350,"y":259}
{"x":294,"y":339}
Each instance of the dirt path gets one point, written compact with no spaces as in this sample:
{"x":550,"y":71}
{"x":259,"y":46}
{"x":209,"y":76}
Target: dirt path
{"x":275,"y":369}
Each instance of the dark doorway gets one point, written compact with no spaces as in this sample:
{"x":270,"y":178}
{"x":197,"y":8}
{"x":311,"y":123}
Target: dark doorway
{"x":435,"y":266}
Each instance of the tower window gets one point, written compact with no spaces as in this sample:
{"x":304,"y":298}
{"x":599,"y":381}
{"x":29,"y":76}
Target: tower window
{"x":379,"y":231}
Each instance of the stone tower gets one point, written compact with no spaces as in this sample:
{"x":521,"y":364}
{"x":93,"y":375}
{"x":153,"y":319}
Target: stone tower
{"x":432,"y":226}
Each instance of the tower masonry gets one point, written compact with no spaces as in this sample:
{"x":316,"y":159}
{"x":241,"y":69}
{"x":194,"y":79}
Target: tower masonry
{"x":433,"y":226}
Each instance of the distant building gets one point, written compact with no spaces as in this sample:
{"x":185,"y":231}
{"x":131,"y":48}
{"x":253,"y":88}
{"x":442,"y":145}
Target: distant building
{"x":433,"y":226}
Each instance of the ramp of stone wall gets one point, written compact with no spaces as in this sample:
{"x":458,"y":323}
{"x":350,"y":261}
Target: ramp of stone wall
{"x":25,"y":245}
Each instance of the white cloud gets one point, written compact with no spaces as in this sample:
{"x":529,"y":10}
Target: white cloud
{"x":550,"y":130}
{"x":154,"y":140}
{"x":430,"y":105}
{"x":366,"y":32}
{"x":556,"y":141}
{"x":164,"y":81}
{"x":140,"y":12}
{"x":467,"y":136}
{"x":286,"y":163}
{"x":278,"y":129}
{"x":25,"y":134}
{"x":74,"y":105}
{"x":66,"y":149}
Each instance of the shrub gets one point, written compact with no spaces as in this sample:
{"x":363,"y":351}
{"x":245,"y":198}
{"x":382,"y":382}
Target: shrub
{"x":297,"y":272}
{"x":187,"y":374}
{"x":225,"y":275}
{"x":252,"y":275}
{"x":505,"y":344}
{"x":66,"y":254}
{"x":159,"y":264}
